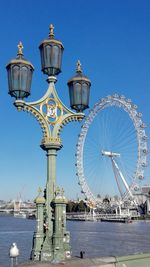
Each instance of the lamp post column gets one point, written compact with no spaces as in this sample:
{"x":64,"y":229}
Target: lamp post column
{"x":47,"y":249}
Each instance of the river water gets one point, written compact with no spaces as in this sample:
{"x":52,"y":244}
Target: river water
{"x":95,"y":238}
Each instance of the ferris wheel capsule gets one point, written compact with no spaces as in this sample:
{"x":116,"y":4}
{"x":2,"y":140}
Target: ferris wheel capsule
{"x":140,"y":177}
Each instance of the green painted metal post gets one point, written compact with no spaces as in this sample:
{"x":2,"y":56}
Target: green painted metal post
{"x":39,"y":234}
{"x":60,"y":237}
{"x":47,"y":248}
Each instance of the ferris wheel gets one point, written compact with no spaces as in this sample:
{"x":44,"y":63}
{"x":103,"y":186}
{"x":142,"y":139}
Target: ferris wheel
{"x":113,"y":129}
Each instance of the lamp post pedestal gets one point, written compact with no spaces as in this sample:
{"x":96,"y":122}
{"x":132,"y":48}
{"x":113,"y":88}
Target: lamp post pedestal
{"x":51,"y":240}
{"x":61,"y":238}
{"x":38,"y":236}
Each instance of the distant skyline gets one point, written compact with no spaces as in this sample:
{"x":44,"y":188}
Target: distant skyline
{"x":112,"y":41}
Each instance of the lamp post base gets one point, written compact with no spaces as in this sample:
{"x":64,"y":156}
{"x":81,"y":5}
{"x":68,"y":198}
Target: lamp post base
{"x":47,"y":250}
{"x":36,"y":250}
{"x":52,"y":251}
{"x":51,"y":241}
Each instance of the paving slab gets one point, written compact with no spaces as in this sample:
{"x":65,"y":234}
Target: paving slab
{"x":140,"y":260}
{"x":77,"y":262}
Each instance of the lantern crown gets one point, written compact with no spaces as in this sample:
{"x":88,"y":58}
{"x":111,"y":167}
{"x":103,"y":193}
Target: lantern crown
{"x":20,"y":57}
{"x":79,"y":74}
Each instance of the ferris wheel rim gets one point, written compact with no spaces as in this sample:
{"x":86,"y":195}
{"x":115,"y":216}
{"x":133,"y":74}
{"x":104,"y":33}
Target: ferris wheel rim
{"x":131,"y":109}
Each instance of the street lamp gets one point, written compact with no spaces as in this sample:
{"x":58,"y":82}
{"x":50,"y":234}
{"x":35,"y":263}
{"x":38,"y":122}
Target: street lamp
{"x":79,"y":90}
{"x":19,"y":75}
{"x":50,"y":240}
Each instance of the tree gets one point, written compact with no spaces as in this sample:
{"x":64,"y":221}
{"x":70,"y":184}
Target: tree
{"x":69,"y":207}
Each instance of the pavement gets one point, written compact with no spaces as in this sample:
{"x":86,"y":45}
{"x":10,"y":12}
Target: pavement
{"x":140,"y":260}
{"x":76,"y":262}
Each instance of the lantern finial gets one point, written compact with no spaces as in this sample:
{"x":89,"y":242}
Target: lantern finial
{"x":20,"y":48}
{"x":78,"y":68}
{"x":51,"y":33}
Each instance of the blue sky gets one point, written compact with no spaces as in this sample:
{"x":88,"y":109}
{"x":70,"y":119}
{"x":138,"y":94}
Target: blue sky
{"x":112,"y":40}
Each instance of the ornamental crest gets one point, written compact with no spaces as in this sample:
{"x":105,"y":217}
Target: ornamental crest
{"x":51,"y":111}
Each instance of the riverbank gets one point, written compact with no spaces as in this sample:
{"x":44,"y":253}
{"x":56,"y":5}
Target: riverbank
{"x":140,"y":260}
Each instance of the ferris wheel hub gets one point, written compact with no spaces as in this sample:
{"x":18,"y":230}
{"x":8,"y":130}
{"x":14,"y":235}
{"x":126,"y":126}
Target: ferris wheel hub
{"x":110,"y":154}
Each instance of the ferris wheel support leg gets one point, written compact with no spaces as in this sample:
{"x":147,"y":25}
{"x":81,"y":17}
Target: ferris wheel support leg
{"x":116,"y":210}
{"x":120,"y":213}
{"x":148,"y":206}
{"x":122,"y":177}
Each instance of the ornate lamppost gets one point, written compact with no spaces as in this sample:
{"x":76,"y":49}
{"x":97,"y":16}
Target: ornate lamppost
{"x":51,"y":240}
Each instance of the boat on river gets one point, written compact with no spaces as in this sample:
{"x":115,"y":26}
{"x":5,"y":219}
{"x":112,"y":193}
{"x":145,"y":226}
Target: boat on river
{"x":20,"y":214}
{"x":117,"y":220}
{"x":94,"y":217}
{"x":31,"y":216}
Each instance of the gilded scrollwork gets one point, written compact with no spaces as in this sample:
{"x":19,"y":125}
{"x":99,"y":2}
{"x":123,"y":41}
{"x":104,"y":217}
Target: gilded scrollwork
{"x":36,"y":113}
{"x":51,"y":114}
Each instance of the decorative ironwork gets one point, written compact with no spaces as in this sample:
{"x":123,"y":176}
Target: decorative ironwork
{"x":51,"y":114}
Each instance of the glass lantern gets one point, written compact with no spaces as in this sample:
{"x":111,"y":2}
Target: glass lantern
{"x":51,"y":51}
{"x":79,"y":90}
{"x":19,"y":75}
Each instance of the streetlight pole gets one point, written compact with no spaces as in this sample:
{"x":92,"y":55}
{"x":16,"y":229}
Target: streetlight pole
{"x":51,"y":240}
